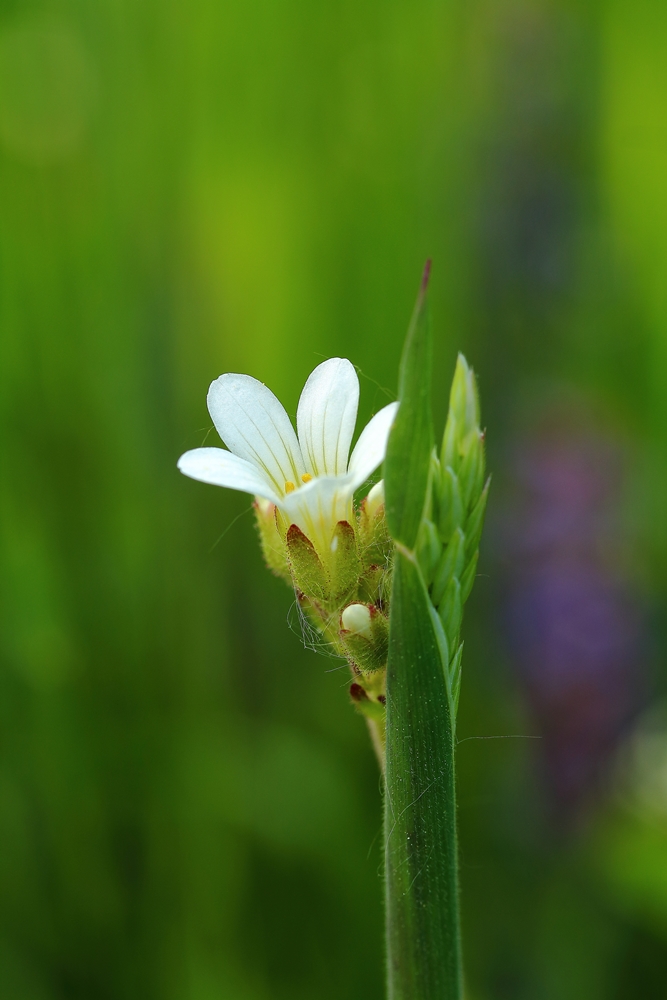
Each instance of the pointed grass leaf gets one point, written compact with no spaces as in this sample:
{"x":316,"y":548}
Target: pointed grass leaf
{"x":463,"y":399}
{"x":451,"y":564}
{"x":451,"y":611}
{"x":408,"y":457}
{"x":423,"y":681}
{"x":449,"y":453}
{"x":468,"y":578}
{"x":475,"y":522}
{"x":455,"y":677}
{"x":451,"y":507}
{"x":429,"y":548}
{"x":471,"y":472}
{"x":424,"y":951}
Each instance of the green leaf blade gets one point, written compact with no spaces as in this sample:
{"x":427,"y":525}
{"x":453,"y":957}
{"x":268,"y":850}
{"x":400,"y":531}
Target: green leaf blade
{"x":407,"y":461}
{"x":424,"y":949}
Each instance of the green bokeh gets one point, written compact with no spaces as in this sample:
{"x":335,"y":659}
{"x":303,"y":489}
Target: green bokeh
{"x":189,"y":808}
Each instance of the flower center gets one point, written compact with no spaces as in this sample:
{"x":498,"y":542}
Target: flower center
{"x":290,"y":487}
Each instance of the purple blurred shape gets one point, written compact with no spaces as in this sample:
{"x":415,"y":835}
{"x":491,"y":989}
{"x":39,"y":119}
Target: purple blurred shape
{"x":575,"y":627}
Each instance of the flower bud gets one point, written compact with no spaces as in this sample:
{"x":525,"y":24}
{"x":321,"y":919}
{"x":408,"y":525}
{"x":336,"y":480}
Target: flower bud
{"x":375,"y":542}
{"x":375,"y":585}
{"x":365,"y":636}
{"x":463,"y":418}
{"x":463,"y":400}
{"x":273,"y":543}
{"x":344,"y":565}
{"x":375,"y":500}
{"x":356,"y":618}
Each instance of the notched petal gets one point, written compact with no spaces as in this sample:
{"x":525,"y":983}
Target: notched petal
{"x":326,"y":416}
{"x":370,"y":449}
{"x":221,"y":468}
{"x":254,"y":425}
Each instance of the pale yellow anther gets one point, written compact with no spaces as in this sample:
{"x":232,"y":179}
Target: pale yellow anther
{"x":306,"y":477}
{"x":289,"y":487}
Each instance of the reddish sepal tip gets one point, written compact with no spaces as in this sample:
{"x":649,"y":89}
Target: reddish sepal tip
{"x":357,"y":693}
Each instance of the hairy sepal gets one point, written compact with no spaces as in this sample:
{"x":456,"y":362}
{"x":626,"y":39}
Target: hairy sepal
{"x":308,"y":573}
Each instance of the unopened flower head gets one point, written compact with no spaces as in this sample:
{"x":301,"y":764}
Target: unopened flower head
{"x":375,"y":500}
{"x":356,"y":618}
{"x":307,"y":475}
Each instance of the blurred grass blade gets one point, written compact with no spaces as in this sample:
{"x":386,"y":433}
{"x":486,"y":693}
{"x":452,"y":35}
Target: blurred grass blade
{"x":407,"y":462}
{"x":423,"y":937}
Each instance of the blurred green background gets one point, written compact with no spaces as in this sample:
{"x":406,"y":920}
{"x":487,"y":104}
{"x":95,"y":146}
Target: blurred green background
{"x":189,"y":807}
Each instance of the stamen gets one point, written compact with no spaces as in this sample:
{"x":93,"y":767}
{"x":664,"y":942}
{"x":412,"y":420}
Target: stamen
{"x":306,"y":477}
{"x":289,"y":487}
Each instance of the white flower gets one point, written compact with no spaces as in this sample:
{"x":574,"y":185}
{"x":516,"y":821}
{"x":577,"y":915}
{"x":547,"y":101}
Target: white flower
{"x":308,"y":478}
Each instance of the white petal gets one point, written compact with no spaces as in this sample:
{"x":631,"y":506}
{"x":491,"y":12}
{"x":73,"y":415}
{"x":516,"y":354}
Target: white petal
{"x":221,"y":468}
{"x":326,"y":417}
{"x":253,"y":424}
{"x":372,"y":444}
{"x":318,"y":506}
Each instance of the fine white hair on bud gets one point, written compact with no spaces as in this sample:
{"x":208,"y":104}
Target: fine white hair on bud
{"x":356,"y":618}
